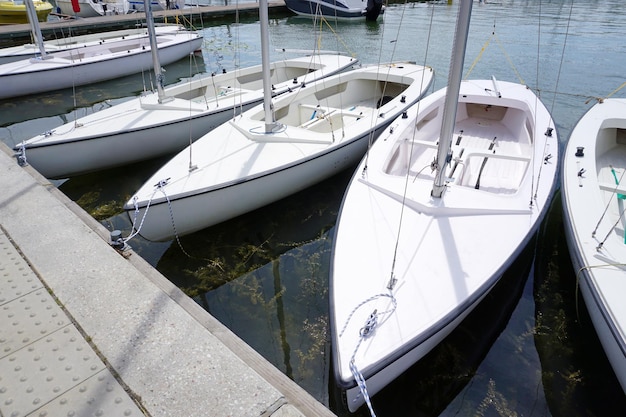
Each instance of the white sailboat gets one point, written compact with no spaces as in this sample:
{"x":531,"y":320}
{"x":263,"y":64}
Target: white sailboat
{"x":167,"y":120}
{"x":54,"y":71}
{"x":31,"y":50}
{"x":437,"y":210}
{"x":594,"y":199}
{"x":275,"y":149}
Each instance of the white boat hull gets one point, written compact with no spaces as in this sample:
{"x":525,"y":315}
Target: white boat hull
{"x":143,"y":128}
{"x":592,"y":202}
{"x":27,"y":51}
{"x":93,"y":8}
{"x":450,"y":251}
{"x":240,"y":168}
{"x":92,"y":64}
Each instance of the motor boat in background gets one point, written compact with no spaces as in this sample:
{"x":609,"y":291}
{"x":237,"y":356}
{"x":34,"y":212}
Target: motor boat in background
{"x":338,"y":9}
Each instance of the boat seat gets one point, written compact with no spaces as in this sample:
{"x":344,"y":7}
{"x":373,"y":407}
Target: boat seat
{"x":314,"y":116}
{"x":502,"y":173}
{"x":612,"y":187}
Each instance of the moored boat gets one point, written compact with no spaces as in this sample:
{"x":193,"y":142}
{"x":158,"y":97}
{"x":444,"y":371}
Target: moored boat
{"x":594,"y":199}
{"x":31,"y":50}
{"x":338,"y":9}
{"x":256,"y":158}
{"x":438,"y":209}
{"x":93,"y":63}
{"x":14,"y":11}
{"x":162,"y":122}
{"x":92,"y":8}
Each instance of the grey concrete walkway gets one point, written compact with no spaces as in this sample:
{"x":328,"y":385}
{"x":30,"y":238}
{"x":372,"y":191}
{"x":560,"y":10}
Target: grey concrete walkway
{"x":85,"y":331}
{"x":20,"y":33}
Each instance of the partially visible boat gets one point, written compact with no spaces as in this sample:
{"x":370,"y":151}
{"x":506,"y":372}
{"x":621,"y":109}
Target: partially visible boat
{"x":138,"y":5}
{"x":338,"y":9}
{"x":440,"y":207}
{"x":594,"y":203}
{"x":92,"y":8}
{"x":162,"y":122}
{"x":14,"y":11}
{"x":31,"y":50}
{"x":93,"y":63}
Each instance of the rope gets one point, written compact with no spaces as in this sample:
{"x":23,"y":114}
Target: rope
{"x":506,"y":56}
{"x":617,"y":89}
{"x":160,"y":186}
{"x":606,"y":208}
{"x":612,"y":229}
{"x":368,"y":329}
{"x":589,"y":267}
{"x":136,"y":229}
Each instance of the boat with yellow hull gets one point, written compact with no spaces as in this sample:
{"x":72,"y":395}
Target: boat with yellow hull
{"x":14,"y":11}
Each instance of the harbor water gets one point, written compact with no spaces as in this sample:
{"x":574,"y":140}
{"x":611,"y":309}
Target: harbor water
{"x":528,"y":350}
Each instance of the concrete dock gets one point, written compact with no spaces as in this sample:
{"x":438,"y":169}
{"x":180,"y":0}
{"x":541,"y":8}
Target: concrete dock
{"x":88,"y":331}
{"x":20,"y":33}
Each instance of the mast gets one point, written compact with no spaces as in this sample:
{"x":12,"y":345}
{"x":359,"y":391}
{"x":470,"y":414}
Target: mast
{"x":452,"y":95}
{"x":265,"y":65}
{"x":154,"y":49}
{"x":34,"y":27}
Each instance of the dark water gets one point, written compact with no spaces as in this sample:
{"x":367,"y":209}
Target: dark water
{"x":528,"y":350}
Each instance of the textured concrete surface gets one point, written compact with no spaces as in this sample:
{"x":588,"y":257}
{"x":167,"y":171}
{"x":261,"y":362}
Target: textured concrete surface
{"x":115,"y":336}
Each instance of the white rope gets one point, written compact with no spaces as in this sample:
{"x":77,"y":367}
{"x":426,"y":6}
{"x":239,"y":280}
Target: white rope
{"x":365,"y":332}
{"x":158,"y":186}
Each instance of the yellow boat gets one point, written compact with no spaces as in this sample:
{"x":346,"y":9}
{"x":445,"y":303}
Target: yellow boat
{"x":14,"y":11}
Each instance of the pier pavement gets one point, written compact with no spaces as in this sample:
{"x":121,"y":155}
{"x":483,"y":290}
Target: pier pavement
{"x":20,"y":33}
{"x":88,"y":331}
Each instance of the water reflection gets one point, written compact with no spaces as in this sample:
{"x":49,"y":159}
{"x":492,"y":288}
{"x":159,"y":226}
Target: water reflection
{"x":577,"y":376}
{"x":265,"y":276}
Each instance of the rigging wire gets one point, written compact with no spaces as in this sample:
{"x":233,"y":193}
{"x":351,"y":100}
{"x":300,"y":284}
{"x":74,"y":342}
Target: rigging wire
{"x":373,"y":320}
{"x":408,"y":171}
{"x":556,"y":88}
{"x":606,"y":208}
